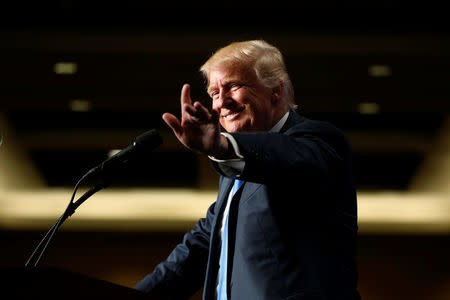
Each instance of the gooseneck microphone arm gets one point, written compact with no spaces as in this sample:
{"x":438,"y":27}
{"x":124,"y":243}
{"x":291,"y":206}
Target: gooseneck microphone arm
{"x":103,"y":174}
{"x":71,"y":207}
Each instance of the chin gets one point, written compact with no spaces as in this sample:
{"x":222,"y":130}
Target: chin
{"x":241,"y":124}
{"x":236,"y":127}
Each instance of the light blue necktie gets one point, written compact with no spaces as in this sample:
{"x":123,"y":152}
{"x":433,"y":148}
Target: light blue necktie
{"x":222,"y":286}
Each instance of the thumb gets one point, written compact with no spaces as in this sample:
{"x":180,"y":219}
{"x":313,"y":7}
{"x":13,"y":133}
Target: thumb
{"x":173,"y":123}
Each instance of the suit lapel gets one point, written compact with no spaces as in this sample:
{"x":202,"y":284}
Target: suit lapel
{"x":224,"y":191}
{"x":215,"y":242}
{"x":293,"y":119}
{"x":232,"y":225}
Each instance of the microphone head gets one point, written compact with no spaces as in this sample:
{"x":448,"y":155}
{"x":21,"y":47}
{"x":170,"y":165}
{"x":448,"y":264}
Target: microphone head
{"x":124,"y":162}
{"x":148,"y":140}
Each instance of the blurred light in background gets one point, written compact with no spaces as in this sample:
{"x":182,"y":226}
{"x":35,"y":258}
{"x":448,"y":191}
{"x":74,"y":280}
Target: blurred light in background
{"x":380,"y":71}
{"x":80,"y":105}
{"x":65,"y":68}
{"x":368,"y":108}
{"x":116,"y":209}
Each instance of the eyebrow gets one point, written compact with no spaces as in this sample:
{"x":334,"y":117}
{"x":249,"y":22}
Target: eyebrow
{"x":209,"y":89}
{"x":225,"y":83}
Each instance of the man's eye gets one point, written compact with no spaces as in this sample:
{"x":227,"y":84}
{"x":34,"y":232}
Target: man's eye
{"x":235,"y":86}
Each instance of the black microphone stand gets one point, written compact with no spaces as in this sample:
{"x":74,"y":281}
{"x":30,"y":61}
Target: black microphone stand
{"x":103,"y":173}
{"x":71,"y":207}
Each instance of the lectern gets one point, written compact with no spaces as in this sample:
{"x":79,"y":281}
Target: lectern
{"x":54,"y":283}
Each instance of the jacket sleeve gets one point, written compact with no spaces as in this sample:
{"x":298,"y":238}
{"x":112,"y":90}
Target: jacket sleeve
{"x":314,"y":151}
{"x":183,"y":272}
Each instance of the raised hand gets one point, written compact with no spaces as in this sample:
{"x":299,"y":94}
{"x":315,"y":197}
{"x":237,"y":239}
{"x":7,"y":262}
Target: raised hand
{"x":199,"y":128}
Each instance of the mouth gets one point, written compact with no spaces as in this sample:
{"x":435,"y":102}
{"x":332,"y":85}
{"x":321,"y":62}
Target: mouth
{"x":232,"y":114}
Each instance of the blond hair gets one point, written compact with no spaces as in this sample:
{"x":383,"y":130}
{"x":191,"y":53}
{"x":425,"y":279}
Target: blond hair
{"x":266,"y":60}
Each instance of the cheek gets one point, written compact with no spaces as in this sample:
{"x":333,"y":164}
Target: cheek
{"x":222,"y":123}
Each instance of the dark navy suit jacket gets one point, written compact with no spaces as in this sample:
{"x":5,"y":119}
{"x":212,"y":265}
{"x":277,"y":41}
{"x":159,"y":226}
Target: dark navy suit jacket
{"x":292,"y":227}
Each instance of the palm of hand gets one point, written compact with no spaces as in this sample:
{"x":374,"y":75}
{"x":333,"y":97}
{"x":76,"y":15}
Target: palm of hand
{"x":199,"y":128}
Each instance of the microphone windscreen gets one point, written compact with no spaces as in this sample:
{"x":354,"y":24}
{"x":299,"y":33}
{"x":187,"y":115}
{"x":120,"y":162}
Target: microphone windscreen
{"x":148,"y":140}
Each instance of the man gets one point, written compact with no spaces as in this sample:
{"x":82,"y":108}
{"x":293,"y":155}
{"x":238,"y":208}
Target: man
{"x":287,"y":228}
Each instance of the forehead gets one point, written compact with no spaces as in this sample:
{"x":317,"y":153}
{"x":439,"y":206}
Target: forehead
{"x":223,"y":74}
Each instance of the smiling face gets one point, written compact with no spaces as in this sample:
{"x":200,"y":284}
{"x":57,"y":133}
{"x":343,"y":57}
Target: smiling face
{"x":242,"y":101}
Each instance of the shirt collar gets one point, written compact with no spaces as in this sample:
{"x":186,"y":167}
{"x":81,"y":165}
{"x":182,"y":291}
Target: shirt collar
{"x":280,"y":123}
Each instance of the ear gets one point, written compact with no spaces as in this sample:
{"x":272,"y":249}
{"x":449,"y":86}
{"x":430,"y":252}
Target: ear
{"x":277,"y":92}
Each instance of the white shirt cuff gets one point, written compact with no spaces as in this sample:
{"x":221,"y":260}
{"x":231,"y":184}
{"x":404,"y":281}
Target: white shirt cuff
{"x":234,"y":166}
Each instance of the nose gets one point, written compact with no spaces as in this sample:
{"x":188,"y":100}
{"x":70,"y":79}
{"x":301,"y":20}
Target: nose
{"x":223,"y":99}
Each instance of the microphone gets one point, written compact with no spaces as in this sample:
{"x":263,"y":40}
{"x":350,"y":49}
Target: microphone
{"x":114,"y":166}
{"x":104,"y":173}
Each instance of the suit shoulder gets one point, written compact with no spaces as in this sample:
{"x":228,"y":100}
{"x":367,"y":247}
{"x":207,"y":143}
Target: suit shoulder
{"x":320,"y":129}
{"x":316,"y":126}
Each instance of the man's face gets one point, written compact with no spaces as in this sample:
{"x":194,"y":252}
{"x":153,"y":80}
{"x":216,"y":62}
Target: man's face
{"x":241,"y":100}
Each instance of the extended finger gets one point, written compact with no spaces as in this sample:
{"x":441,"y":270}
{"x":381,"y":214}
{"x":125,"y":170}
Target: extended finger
{"x":185,"y":99}
{"x":190,"y":110}
{"x":191,"y":115}
{"x":173,"y":123}
{"x":202,"y":111}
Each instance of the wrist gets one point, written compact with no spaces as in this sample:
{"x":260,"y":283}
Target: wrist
{"x":224,"y":149}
